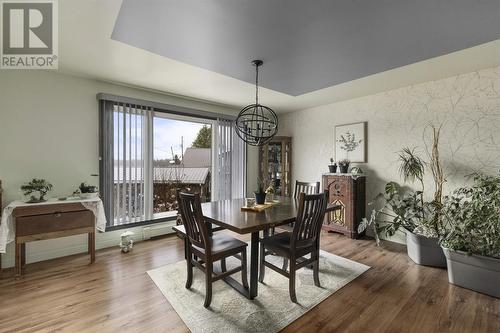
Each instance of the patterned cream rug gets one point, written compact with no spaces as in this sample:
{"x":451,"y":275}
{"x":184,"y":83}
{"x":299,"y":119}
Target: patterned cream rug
{"x":270,"y":311}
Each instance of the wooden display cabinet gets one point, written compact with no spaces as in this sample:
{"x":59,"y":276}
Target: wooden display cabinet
{"x":275,"y":160}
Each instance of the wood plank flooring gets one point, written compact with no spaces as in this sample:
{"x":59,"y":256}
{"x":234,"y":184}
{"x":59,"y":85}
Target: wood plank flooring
{"x":116,"y":295}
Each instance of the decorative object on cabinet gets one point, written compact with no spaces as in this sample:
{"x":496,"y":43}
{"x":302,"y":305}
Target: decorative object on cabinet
{"x":350,"y":142}
{"x":36,"y":186}
{"x":349,"y":193}
{"x":275,"y":160}
{"x":332,"y":166}
{"x":88,"y":191}
{"x":344,"y":165}
{"x":356,"y":172}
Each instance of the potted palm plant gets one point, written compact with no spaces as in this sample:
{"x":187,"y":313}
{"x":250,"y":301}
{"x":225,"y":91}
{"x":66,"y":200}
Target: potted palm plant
{"x":472,"y":245}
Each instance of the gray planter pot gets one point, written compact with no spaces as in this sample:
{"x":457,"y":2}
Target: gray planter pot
{"x":475,"y":272}
{"x":424,"y":251}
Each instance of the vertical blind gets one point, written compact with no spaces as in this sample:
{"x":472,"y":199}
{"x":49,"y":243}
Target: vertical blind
{"x":230,"y":162}
{"x":126,"y":160}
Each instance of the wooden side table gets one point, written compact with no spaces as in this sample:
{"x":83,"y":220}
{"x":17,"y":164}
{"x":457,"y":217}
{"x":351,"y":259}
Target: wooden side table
{"x":38,"y":222}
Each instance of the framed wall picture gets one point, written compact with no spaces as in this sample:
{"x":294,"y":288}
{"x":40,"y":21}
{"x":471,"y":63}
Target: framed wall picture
{"x":350,"y":142}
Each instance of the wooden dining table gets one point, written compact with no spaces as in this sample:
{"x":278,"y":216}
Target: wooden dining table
{"x":229,"y":215}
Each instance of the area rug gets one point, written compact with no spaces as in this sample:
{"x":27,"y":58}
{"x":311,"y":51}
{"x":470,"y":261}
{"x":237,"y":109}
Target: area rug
{"x":270,"y":311}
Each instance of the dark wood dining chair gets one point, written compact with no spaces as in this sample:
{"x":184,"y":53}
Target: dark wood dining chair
{"x":207,"y":248}
{"x":305,"y":187}
{"x":300,"y":187}
{"x":303,"y":240}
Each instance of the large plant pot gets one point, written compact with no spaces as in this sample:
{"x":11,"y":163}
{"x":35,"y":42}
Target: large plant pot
{"x":424,"y":251}
{"x":332,"y":168}
{"x":475,"y":272}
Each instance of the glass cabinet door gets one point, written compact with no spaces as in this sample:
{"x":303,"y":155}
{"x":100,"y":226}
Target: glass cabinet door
{"x":274,"y":164}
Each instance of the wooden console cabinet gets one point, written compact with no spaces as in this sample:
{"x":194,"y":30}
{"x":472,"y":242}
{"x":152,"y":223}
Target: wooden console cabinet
{"x":349,"y":193}
{"x":37,"y":222}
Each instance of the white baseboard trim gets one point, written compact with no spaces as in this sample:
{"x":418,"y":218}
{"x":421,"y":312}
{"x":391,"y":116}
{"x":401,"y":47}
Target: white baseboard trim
{"x":52,"y":251}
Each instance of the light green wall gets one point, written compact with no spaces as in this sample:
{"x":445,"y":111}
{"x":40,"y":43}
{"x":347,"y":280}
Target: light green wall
{"x":49,"y":129}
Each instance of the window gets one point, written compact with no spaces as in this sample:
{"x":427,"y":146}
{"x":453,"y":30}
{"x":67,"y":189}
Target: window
{"x":182,"y":158}
{"x":146,"y":153}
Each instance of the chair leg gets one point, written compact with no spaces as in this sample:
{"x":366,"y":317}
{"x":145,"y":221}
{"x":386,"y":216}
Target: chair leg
{"x":244,"y":279}
{"x":223,"y":267}
{"x":291,"y":281}
{"x":185,"y":248}
{"x":316,"y":272}
{"x":189,"y":280}
{"x":262,"y":268}
{"x":285,"y":263}
{"x":208,"y":283}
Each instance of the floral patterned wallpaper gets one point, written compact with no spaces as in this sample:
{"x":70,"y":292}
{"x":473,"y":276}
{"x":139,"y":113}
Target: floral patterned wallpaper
{"x":467,"y":107}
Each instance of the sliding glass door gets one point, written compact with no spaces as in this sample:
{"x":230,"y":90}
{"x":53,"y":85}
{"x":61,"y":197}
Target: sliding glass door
{"x":147,"y":154}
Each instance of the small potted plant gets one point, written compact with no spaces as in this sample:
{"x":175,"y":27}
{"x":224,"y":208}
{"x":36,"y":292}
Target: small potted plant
{"x":36,"y":190}
{"x":260,"y":194}
{"x":344,"y":165}
{"x":472,"y":244}
{"x":333,"y":166}
{"x":88,"y":191}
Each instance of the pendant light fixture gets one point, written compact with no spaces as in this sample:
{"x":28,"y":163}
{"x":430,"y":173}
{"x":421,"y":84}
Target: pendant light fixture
{"x":256,"y":124}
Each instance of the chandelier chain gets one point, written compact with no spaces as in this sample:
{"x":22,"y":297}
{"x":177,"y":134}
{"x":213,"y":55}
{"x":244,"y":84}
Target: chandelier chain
{"x":257,"y":84}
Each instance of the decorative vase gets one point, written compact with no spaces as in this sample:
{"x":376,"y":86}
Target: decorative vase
{"x":344,"y":168}
{"x":333,"y":168}
{"x":260,"y":198}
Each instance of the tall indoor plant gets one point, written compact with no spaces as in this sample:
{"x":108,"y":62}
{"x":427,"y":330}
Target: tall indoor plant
{"x":405,"y":209}
{"x":472,"y":243}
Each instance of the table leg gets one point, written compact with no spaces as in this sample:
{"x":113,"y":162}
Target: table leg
{"x":254,"y":264}
{"x":18,"y":259}
{"x":23,"y":254}
{"x":91,"y":247}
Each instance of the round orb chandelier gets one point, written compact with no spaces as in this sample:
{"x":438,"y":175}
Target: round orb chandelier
{"x":256,"y":124}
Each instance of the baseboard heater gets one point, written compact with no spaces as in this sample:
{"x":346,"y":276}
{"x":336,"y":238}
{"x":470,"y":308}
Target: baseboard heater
{"x":156,"y":230}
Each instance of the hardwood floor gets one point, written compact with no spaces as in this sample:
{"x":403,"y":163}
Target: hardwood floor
{"x":116,"y":295}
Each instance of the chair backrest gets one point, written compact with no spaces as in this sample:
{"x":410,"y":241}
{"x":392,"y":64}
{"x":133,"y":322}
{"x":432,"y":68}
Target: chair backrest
{"x":310,"y":215}
{"x":192,"y":216}
{"x":305,"y":187}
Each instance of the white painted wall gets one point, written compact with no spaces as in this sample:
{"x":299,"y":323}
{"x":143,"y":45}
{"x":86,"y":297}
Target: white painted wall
{"x":467,"y":105}
{"x":49,"y":129}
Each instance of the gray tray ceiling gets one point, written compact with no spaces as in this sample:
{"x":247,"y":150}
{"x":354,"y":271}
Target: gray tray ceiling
{"x":305,"y":45}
